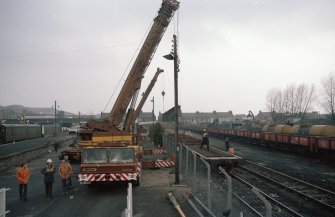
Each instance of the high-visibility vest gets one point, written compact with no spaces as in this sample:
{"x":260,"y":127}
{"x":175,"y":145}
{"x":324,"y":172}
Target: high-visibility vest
{"x":65,"y":170}
{"x":231,"y":150}
{"x":22,"y":175}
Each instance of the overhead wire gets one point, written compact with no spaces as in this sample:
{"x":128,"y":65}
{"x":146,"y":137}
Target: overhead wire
{"x":65,"y":51}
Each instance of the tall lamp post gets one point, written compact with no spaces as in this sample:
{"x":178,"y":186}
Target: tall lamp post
{"x":174,"y":56}
{"x":55,"y":116}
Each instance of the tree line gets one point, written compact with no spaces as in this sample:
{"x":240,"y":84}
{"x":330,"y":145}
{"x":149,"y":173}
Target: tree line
{"x":296,"y":100}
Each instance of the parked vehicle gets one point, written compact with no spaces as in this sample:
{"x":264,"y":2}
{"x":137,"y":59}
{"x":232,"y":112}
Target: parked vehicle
{"x":19,"y":132}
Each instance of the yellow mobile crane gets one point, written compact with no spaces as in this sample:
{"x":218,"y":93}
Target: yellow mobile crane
{"x":109,"y":152}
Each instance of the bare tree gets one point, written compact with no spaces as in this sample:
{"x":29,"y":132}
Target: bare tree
{"x":271,"y":99}
{"x":292,"y":101}
{"x":328,"y":94}
{"x":289,"y":99}
{"x":305,"y":96}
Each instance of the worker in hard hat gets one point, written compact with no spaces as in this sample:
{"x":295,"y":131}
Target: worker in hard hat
{"x":65,"y":171}
{"x":48,"y":172}
{"x":22,"y":176}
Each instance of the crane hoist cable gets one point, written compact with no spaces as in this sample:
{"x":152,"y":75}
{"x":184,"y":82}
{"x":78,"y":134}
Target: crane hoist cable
{"x":163,"y":88}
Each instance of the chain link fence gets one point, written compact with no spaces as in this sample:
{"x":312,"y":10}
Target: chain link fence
{"x":212,"y":186}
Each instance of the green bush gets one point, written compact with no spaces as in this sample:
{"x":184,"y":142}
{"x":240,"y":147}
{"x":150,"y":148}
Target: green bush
{"x":156,"y":134}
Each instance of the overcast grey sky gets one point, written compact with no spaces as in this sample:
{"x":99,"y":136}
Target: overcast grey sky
{"x":231,"y":51}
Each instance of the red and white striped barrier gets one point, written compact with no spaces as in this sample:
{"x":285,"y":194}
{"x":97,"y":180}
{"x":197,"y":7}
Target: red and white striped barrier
{"x":164,"y":163}
{"x":84,"y":178}
{"x":110,"y":177}
{"x":139,"y":168}
{"x":158,"y":151}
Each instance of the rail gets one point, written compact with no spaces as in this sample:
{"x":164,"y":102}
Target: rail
{"x":242,"y":182}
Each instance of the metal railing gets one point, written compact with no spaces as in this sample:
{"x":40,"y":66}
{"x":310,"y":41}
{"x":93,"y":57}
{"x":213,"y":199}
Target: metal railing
{"x":211,"y":185}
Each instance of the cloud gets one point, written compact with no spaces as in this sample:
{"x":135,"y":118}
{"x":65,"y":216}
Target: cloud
{"x":231,"y":52}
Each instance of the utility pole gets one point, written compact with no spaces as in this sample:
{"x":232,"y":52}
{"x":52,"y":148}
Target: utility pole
{"x":176,"y":69}
{"x":174,"y":56}
{"x":79,"y":117}
{"x":55,"y":117}
{"x":153,"y":110}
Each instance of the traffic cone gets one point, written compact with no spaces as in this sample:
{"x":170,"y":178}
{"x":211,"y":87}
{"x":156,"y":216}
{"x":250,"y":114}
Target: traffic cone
{"x":172,"y":157}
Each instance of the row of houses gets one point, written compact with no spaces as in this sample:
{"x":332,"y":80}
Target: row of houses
{"x":194,"y":118}
{"x":190,"y":118}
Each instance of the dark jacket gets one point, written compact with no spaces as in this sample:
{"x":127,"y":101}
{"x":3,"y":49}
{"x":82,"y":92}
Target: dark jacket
{"x":205,"y":140}
{"x":227,"y":144}
{"x":48,"y":173}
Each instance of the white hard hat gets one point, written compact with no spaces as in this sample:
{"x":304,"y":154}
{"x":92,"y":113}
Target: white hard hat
{"x":49,"y":161}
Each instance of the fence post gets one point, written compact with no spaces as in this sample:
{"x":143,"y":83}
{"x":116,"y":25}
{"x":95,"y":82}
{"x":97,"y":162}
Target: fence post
{"x":170,"y":147}
{"x":268,"y":206}
{"x":209,"y":201}
{"x":194,"y":172}
{"x":186,"y":162}
{"x":180,"y":158}
{"x":227,"y":210}
{"x":3,"y":211}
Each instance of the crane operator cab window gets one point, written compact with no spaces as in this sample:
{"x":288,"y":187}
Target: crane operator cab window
{"x":121,"y":155}
{"x":95,"y":155}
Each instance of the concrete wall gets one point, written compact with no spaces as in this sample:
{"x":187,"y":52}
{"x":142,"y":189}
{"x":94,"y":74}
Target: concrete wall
{"x":15,"y":159}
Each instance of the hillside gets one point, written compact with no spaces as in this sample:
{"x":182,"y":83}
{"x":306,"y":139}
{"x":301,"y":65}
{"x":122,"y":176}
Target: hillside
{"x":31,"y":111}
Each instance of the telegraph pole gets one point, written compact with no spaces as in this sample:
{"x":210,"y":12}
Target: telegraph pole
{"x":79,"y":117}
{"x":174,"y":56}
{"x":153,"y":110}
{"x":55,"y":117}
{"x":176,"y":69}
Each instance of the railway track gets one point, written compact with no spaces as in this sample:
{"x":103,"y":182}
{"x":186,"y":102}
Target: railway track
{"x":306,"y":190}
{"x":252,"y":205}
{"x":278,"y":209}
{"x":288,"y":195}
{"x":291,"y":197}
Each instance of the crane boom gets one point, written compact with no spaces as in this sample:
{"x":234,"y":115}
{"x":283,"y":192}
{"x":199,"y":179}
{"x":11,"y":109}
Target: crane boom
{"x":144,"y":57}
{"x":133,"y":114}
{"x":108,"y":153}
